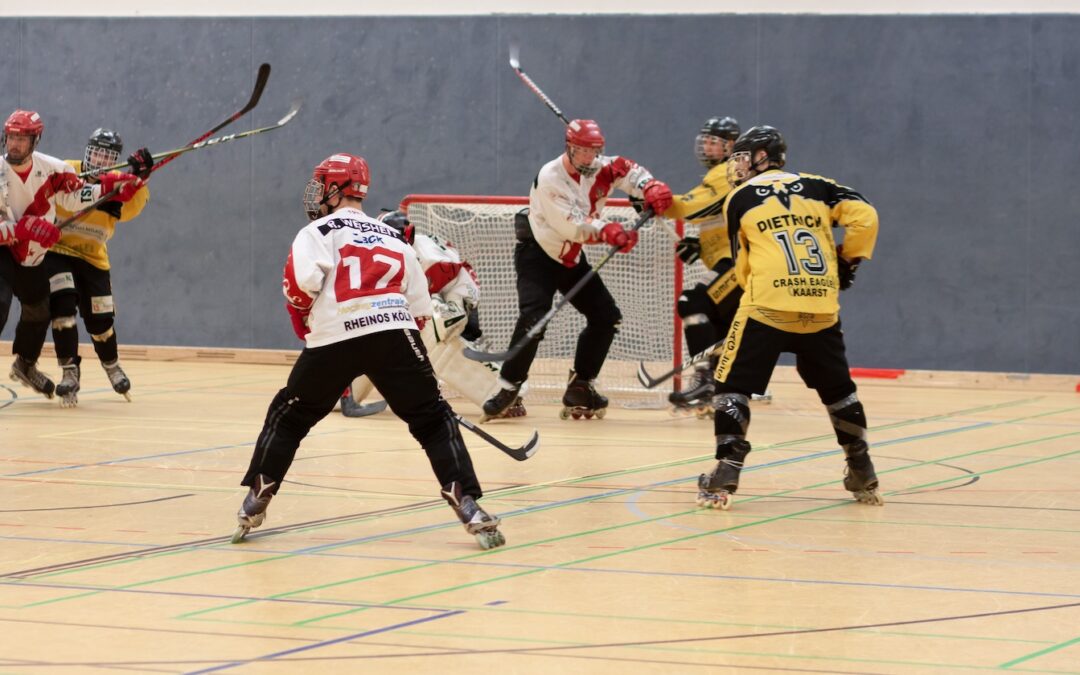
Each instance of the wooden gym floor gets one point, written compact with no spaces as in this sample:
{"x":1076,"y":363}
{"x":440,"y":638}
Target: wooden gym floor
{"x":115,"y":520}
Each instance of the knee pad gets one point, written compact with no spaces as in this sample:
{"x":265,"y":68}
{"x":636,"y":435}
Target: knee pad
{"x":63,"y":304}
{"x":63,"y":322}
{"x":732,"y":416}
{"x":849,"y":422}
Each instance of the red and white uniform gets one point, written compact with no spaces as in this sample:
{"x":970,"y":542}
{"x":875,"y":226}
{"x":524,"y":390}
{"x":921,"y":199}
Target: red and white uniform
{"x":17,"y":194}
{"x":448,"y":274}
{"x":564,"y":209}
{"x":353,"y":275}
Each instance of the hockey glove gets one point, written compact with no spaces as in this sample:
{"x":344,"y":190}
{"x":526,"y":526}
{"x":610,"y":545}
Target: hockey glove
{"x":141,"y":162}
{"x":65,"y":182}
{"x":128,"y":185}
{"x":614,"y":234}
{"x":657,"y":196}
{"x":38,"y":230}
{"x":299,"y":321}
{"x":846,"y":270}
{"x":688,"y":249}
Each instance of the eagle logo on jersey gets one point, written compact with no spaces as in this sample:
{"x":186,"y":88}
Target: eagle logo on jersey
{"x":782,"y":191}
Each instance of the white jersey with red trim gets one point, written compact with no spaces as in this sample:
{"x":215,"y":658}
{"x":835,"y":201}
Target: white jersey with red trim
{"x":18,"y":195}
{"x":564,"y":209}
{"x":448,"y":274}
{"x":353,"y":275}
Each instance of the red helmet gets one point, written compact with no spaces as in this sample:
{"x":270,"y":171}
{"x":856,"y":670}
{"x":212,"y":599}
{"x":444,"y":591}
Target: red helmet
{"x":25,"y":122}
{"x":585,"y":133}
{"x":340,"y":174}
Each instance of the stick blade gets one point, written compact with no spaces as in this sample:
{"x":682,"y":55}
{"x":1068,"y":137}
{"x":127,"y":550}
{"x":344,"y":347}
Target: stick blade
{"x":529,"y":449}
{"x":294,"y":110}
{"x":644,"y":378}
{"x":488,"y":357}
{"x":514,"y":53}
{"x":260,"y":83}
{"x":350,"y":408}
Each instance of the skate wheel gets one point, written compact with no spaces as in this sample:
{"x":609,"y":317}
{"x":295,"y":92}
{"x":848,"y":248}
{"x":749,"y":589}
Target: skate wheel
{"x":872,"y":497}
{"x":718,"y":500}
{"x":588,"y":414}
{"x":576,"y":415}
{"x":68,"y":401}
{"x":240,"y":533}
{"x":490,"y":539}
{"x":127,"y":396}
{"x":564,"y":414}
{"x":600,"y":413}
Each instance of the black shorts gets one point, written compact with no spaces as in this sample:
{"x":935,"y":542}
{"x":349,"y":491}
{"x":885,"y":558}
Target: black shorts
{"x":68,"y":274}
{"x":751,"y":350}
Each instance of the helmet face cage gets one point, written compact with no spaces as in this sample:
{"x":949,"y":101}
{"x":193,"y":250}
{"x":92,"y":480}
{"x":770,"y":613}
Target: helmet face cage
{"x":313,"y":198}
{"x":738,"y":167}
{"x":711,"y":150}
{"x":102,"y":150}
{"x":741,"y":166}
{"x":585,"y":169}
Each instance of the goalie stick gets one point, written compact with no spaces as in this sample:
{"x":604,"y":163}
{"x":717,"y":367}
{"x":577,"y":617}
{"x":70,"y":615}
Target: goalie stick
{"x":293,"y":111}
{"x":538,"y":327}
{"x":650,"y":382}
{"x":350,"y":408}
{"x":520,"y":453}
{"x":260,"y":83}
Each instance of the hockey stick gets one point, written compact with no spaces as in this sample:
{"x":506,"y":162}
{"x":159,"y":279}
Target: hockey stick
{"x":350,"y":408}
{"x":650,"y":382}
{"x":516,"y":65}
{"x":520,"y":454}
{"x":260,"y":83}
{"x":209,"y":142}
{"x":538,"y":327}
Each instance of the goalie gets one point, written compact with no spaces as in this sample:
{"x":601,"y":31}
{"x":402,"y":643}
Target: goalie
{"x":455,"y":294}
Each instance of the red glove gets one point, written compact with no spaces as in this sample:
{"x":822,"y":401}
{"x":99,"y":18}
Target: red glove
{"x":65,"y":181}
{"x":615,"y":234}
{"x":39,"y":230}
{"x":657,"y":196}
{"x":142,"y":163}
{"x":299,"y":321}
{"x":127,"y":183}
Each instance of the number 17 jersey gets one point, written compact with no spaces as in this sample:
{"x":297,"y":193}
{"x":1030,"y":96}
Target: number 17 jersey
{"x":354,"y":275}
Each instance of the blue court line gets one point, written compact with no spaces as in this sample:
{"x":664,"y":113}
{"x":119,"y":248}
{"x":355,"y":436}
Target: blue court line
{"x":127,"y":459}
{"x":327,"y":643}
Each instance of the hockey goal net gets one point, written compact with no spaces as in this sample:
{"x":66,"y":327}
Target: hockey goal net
{"x":645,"y":284}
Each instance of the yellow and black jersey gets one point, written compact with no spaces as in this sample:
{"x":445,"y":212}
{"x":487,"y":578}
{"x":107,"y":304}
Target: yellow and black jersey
{"x":86,"y":237}
{"x":704,"y":207}
{"x":780,"y":225}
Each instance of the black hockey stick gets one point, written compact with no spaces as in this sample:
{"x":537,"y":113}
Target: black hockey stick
{"x":516,"y":65}
{"x":520,"y":454}
{"x":293,"y":111}
{"x":538,"y":327}
{"x":650,"y":382}
{"x":260,"y":83}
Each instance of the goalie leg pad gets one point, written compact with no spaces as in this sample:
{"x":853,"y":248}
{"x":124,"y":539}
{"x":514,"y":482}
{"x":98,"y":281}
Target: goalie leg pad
{"x":474,"y":380}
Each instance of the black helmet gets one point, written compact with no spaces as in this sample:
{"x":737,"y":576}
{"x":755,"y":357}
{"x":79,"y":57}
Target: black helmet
{"x":765,"y":138}
{"x":400,"y":222}
{"x":724,"y":127}
{"x":102,"y":150}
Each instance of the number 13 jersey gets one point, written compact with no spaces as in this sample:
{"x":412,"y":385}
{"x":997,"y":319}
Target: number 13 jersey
{"x":353,"y":275}
{"x":780,"y":225}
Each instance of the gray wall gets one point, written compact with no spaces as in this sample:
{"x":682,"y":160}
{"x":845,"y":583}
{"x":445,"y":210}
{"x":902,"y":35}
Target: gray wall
{"x":961,"y":130}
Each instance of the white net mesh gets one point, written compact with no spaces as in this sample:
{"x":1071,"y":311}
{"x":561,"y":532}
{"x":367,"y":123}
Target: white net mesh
{"x":642,"y":282}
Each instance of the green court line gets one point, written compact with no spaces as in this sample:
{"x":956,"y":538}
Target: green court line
{"x":522,"y":490}
{"x":1041,"y":652}
{"x":945,"y":525}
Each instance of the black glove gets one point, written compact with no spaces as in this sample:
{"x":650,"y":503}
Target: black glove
{"x":141,"y":163}
{"x":688,"y":249}
{"x":112,"y":208}
{"x":846,"y":271}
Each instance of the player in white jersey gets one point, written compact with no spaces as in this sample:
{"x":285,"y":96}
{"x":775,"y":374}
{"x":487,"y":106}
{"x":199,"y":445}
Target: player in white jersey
{"x":32,"y":184}
{"x":356,"y":292}
{"x":565,"y":204}
{"x":455,"y":296}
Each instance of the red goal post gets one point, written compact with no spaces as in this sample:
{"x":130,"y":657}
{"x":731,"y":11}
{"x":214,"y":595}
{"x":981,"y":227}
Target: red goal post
{"x":646,"y":284}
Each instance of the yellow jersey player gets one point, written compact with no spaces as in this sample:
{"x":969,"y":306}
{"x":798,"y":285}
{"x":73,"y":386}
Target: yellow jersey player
{"x":707,"y":309}
{"x":79,"y":271}
{"x":791,"y":272}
